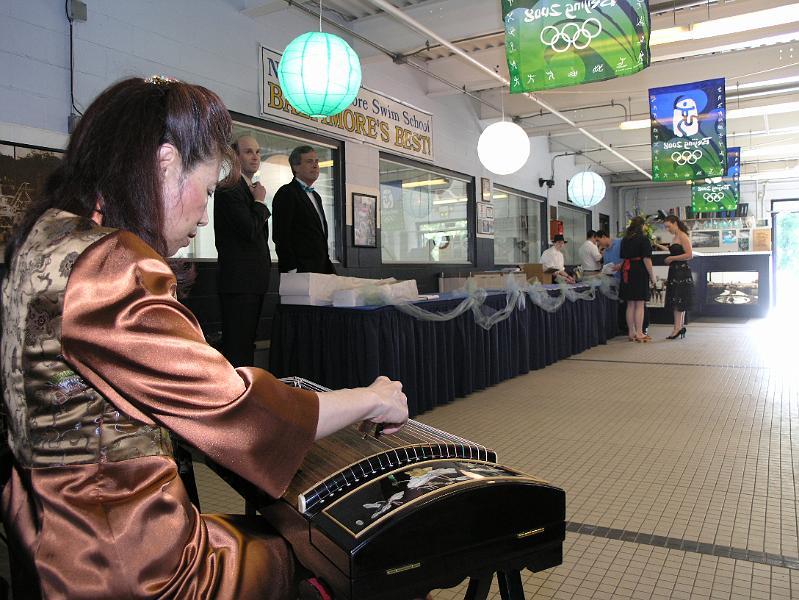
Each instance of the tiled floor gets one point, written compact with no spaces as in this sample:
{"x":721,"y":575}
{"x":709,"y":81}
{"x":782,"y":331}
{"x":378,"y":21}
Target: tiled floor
{"x":680,"y":462}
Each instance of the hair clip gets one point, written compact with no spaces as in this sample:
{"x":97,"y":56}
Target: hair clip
{"x":160,"y":80}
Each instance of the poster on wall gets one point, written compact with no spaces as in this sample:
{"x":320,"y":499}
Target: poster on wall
{"x":689,"y":132}
{"x":721,"y":193}
{"x":373,"y":118}
{"x":705,"y":239}
{"x":364,"y":220}
{"x":761,"y":239}
{"x":551,"y":44}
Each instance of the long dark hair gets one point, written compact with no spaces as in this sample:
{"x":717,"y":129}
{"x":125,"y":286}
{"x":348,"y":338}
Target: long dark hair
{"x":112,"y":157}
{"x":636,"y":227}
{"x":676,"y":220}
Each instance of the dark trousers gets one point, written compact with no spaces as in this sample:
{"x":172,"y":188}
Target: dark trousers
{"x":240,"y":316}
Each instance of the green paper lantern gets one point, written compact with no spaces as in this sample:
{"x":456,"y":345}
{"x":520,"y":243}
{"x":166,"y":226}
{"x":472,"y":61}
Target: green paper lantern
{"x":320,"y":74}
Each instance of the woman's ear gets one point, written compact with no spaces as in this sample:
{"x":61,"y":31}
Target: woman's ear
{"x":168,"y":160}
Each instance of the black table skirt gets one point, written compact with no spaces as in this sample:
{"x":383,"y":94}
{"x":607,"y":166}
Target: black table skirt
{"x":436,"y":362}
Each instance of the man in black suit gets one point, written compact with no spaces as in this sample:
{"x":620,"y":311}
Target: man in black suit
{"x":242,"y":242}
{"x":300,"y":227}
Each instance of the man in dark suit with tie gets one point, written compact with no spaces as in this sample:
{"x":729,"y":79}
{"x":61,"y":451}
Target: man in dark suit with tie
{"x":242,"y":242}
{"x":298,"y":219}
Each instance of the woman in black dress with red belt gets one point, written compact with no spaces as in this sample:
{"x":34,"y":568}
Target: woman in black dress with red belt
{"x":636,"y":252}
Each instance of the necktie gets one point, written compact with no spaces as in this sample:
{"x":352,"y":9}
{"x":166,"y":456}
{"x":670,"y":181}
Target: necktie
{"x":309,"y":189}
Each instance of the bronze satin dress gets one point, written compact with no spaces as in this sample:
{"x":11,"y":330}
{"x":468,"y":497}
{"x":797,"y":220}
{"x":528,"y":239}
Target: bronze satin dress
{"x":99,"y":359}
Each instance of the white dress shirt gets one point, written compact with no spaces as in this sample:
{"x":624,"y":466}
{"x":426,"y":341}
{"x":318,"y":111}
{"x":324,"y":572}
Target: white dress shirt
{"x":311,"y":198}
{"x":590,"y":256}
{"x":552,"y":258}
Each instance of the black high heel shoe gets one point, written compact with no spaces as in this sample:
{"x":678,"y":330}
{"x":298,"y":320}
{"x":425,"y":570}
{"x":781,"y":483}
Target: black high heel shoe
{"x":680,"y":334}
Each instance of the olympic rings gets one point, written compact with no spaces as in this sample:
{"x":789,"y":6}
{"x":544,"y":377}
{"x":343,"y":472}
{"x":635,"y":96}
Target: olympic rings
{"x":713,"y":196}
{"x":571,"y":34}
{"x":686,"y":157}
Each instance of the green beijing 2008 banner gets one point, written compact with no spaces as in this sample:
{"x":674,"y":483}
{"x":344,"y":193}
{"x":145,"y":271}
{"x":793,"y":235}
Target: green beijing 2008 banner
{"x":721,"y":193}
{"x":557,"y":44}
{"x":689,"y":132}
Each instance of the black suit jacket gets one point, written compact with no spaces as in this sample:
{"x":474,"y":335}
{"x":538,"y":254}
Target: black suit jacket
{"x":299,"y":234}
{"x":242,"y":241}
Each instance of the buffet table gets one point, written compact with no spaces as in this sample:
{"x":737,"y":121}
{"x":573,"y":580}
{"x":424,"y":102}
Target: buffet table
{"x":436,"y":361}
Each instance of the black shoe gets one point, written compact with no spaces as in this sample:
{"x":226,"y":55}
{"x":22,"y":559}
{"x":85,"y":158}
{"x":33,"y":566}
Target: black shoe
{"x":680,"y":334}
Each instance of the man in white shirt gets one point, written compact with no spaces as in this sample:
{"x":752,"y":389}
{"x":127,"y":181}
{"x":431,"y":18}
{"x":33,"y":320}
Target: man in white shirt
{"x":553,"y":260}
{"x":590,"y":256}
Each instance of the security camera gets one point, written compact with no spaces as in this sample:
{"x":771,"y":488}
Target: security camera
{"x":549,"y":182}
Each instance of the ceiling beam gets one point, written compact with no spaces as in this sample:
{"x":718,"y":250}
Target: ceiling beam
{"x":263,"y":8}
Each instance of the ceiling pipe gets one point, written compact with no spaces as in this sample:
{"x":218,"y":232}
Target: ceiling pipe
{"x":611,"y":104}
{"x":413,"y":24}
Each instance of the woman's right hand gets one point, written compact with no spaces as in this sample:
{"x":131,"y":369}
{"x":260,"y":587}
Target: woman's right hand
{"x":382,"y":402}
{"x":392,"y":404}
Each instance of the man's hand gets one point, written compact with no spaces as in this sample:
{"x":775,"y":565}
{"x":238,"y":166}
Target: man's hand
{"x":258,"y":191}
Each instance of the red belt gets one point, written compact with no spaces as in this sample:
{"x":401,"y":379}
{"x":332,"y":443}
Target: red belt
{"x":625,"y":270}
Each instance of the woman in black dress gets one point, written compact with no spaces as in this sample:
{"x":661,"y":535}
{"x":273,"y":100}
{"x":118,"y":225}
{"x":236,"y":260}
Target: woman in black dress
{"x":636,"y":251}
{"x":680,"y":286}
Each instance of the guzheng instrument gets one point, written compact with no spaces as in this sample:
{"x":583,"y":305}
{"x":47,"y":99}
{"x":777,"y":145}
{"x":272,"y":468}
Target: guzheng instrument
{"x":394,"y":516}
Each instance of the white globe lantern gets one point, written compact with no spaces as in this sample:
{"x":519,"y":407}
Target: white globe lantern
{"x":503,"y":148}
{"x":586,"y":189}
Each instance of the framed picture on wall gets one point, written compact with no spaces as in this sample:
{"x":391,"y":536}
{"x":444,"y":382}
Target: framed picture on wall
{"x":364,"y":221}
{"x":485,"y":189}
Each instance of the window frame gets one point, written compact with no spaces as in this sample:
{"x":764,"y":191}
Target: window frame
{"x":471,"y":209}
{"x":311,"y":138}
{"x":589,"y":216}
{"x":543,"y":230}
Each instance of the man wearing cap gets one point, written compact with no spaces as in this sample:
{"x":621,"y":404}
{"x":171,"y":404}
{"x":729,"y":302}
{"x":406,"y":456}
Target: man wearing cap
{"x":299,"y":226}
{"x":553,"y":260}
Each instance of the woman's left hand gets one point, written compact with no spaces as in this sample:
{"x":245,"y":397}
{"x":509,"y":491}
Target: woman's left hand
{"x":667,"y":260}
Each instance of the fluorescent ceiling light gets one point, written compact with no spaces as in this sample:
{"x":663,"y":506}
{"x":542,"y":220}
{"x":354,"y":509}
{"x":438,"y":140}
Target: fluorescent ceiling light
{"x":789,"y":150}
{"x":736,"y":113}
{"x":759,"y":19}
{"x":764,"y":83}
{"x":786,"y":174}
{"x":638,"y":124}
{"x":774,"y":131}
{"x":784,"y":38}
{"x":500,"y":196}
{"x":449,"y":201}
{"x":415,"y":184}
{"x":325,"y":163}
{"x":758,"y":111}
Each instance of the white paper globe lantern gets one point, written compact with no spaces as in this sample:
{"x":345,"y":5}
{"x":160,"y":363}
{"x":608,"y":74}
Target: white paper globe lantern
{"x":503,"y":148}
{"x":586,"y":189}
{"x":319,"y":73}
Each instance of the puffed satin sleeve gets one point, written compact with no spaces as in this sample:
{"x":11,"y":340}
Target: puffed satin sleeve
{"x":127,"y":335}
